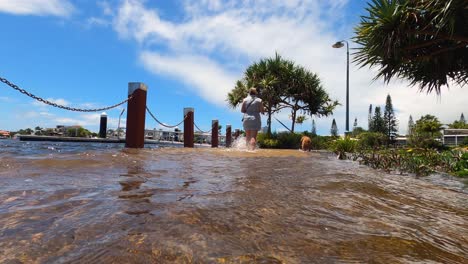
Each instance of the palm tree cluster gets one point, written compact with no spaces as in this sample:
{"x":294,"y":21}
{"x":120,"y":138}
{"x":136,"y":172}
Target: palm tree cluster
{"x":284,"y":85}
{"x":424,"y":41}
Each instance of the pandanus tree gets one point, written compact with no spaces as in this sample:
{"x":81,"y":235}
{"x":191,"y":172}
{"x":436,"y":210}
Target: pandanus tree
{"x":266,"y":76}
{"x":282,"y":84}
{"x":263,"y":75}
{"x":305,"y":95}
{"x":423,"y":41}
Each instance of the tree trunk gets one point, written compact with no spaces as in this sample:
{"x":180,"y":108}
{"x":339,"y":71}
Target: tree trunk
{"x":269,"y":119}
{"x":294,"y":111}
{"x":269,"y":122}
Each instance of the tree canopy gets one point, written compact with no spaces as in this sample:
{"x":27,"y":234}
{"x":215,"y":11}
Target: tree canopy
{"x":410,"y":126}
{"x":334,"y":129}
{"x":426,"y":132}
{"x":391,"y":123}
{"x":369,"y":118}
{"x":424,"y":41}
{"x":459,"y":124}
{"x":428,"y":124}
{"x":378,"y":123}
{"x":313,"y":131}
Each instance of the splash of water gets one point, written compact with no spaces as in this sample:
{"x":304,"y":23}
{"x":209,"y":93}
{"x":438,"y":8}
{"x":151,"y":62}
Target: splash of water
{"x":239,"y":144}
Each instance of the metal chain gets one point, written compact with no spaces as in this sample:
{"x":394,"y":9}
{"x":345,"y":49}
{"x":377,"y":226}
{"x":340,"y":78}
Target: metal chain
{"x":162,"y":124}
{"x":199,"y":130}
{"x":14,"y":86}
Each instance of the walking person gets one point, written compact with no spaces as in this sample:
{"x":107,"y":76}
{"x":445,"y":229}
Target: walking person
{"x":252,"y":106}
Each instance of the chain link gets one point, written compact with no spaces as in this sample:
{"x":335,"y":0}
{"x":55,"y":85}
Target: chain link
{"x":203,"y":132}
{"x":168,"y":126}
{"x":161,"y":123}
{"x":16,"y":87}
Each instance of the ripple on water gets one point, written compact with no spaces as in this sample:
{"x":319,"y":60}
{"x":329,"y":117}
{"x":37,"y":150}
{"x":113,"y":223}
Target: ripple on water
{"x":179,"y":205}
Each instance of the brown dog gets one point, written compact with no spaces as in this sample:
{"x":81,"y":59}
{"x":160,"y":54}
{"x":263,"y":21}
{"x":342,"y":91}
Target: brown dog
{"x":306,"y":143}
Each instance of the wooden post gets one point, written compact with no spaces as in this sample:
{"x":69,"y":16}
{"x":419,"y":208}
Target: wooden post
{"x":236,"y":133}
{"x":136,"y":114}
{"x":228,"y":136}
{"x":103,"y":126}
{"x":188,"y":127}
{"x":214,"y":133}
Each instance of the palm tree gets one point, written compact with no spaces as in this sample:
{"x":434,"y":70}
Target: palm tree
{"x":305,"y":94}
{"x":264,"y":75}
{"x":234,"y":98}
{"x":424,"y":41}
{"x":282,"y":84}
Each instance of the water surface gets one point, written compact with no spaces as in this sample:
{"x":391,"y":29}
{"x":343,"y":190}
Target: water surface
{"x":98,"y":203}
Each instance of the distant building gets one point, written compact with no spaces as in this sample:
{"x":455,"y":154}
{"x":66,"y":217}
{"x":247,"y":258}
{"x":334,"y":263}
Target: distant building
{"x":401,"y":141}
{"x":4,"y":134}
{"x":164,"y":135}
{"x":178,"y":136}
{"x":454,"y":137}
{"x":59,"y":130}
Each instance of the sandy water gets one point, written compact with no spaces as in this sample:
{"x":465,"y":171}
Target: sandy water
{"x":98,"y":203}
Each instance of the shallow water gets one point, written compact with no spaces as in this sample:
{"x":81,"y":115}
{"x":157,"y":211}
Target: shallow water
{"x":98,"y":203}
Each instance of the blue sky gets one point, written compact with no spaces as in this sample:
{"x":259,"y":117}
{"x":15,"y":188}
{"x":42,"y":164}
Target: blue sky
{"x":189,"y":53}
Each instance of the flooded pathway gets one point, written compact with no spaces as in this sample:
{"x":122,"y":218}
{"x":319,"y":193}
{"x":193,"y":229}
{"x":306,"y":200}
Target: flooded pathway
{"x":84,"y":204}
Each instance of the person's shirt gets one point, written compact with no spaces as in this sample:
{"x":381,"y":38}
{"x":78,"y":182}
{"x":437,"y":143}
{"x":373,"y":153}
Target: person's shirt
{"x":252,"y":105}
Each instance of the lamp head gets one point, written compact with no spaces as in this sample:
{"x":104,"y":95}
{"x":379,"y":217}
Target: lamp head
{"x":338,"y":45}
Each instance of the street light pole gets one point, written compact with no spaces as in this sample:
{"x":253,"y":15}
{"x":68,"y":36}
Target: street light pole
{"x":340,"y":44}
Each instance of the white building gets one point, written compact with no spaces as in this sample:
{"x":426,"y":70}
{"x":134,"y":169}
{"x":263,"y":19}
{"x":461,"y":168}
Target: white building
{"x":454,"y":137}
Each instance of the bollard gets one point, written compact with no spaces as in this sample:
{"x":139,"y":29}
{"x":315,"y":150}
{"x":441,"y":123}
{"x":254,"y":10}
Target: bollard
{"x":228,"y":136}
{"x":136,"y":114}
{"x":236,"y":133}
{"x":214,"y":133}
{"x":188,"y":127}
{"x":103,"y":126}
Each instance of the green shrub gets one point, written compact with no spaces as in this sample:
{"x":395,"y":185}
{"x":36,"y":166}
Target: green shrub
{"x":267,"y":142}
{"x":371,"y":140}
{"x":264,"y":141}
{"x":261,"y":137}
{"x":270,"y":143}
{"x":425,"y":141}
{"x":321,"y":142}
{"x":415,"y":160}
{"x":289,"y":140}
{"x":464,"y":143}
{"x":463,"y":173}
{"x":342,"y":146}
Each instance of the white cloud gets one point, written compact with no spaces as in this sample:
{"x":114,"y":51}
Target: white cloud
{"x":58,"y":101}
{"x":61,"y":8}
{"x":210,"y":47}
{"x":5,"y":99}
{"x":134,"y":21}
{"x":106,"y":8}
{"x":47,"y":116}
{"x":207,"y":77}
{"x":96,"y":21}
{"x":35,"y":114}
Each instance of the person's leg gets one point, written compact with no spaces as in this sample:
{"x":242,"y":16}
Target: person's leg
{"x":253,"y":139}
{"x":248,"y":136}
